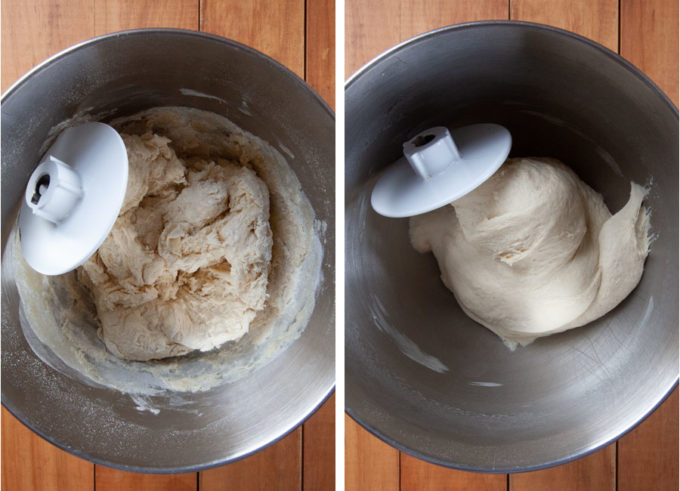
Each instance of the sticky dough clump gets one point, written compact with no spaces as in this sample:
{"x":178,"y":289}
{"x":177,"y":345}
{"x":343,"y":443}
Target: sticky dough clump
{"x":534,"y":250}
{"x":186,"y":264}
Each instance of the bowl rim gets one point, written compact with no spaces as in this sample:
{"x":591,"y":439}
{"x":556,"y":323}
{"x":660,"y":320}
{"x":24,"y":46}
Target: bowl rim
{"x":45,"y":64}
{"x":164,"y":470}
{"x":355,"y":77}
{"x":515,"y":24}
{"x":164,"y":31}
{"x":507,"y":470}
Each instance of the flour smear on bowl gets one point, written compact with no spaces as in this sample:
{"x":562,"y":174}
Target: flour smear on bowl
{"x":216,"y":255}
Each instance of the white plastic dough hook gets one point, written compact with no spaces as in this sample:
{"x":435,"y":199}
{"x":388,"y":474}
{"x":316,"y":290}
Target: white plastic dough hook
{"x":73,"y":198}
{"x":439,"y":167}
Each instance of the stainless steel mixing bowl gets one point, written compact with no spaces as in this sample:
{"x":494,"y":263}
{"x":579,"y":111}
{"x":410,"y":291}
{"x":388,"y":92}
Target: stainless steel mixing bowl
{"x":120,"y":74}
{"x":423,"y":376}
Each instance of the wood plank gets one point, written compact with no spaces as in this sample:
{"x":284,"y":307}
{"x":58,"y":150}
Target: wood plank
{"x":369,"y":463}
{"x":649,"y":39}
{"x":318,"y":449}
{"x":117,"y":15}
{"x":648,"y":455}
{"x":278,"y":467}
{"x":31,"y":463}
{"x":594,"y":19}
{"x":31,"y":32}
{"x":320,"y":48}
{"x":370,"y":29}
{"x":61,"y":17}
{"x":439,"y":13}
{"x":114,"y":480}
{"x":318,"y":432}
{"x":373,"y":27}
{"x":274,"y":28}
{"x":35,"y":30}
{"x":596,"y":472}
{"x":260,"y":24}
{"x":597,"y":20}
{"x":417,"y":475}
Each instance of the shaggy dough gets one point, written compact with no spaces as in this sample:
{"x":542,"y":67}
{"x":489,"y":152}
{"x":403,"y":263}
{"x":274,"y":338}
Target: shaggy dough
{"x":64,"y":325}
{"x":534,"y":251}
{"x":186,"y":264}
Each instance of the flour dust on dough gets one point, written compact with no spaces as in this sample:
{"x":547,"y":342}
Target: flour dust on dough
{"x":185,"y":266}
{"x":534,"y":250}
{"x":247,"y":270}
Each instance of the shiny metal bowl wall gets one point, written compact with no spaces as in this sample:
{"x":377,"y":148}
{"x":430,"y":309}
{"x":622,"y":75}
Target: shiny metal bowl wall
{"x":481,"y":406}
{"x":118,"y":75}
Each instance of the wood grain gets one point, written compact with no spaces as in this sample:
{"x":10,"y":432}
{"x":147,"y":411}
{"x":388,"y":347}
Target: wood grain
{"x":649,"y":40}
{"x":648,"y":455}
{"x":277,"y":468}
{"x":260,"y":24}
{"x":370,"y":464}
{"x":597,"y":20}
{"x":30,"y":463}
{"x":33,"y":31}
{"x":370,"y":29}
{"x":117,"y":15}
{"x":417,"y":475}
{"x":597,"y":472}
{"x":373,"y":27}
{"x":320,"y":48}
{"x":415,"y":19}
{"x":318,"y":432}
{"x":111,"y":16}
{"x":108,"y":479}
{"x":275,"y":28}
{"x":594,"y":19}
{"x":318,"y":449}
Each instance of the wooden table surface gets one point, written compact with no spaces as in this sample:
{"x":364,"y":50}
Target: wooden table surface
{"x":298,"y":33}
{"x":645,"y":32}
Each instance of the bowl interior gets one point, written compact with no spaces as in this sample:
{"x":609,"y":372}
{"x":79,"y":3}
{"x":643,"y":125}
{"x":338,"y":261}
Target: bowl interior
{"x":420,"y":373}
{"x":119,"y":75}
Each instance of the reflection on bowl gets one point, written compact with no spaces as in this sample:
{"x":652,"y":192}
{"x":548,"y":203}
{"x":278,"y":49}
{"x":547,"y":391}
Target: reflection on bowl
{"x":167,"y":431}
{"x":422,"y":375}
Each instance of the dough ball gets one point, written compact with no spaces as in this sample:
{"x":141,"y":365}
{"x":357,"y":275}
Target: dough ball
{"x":534,"y":250}
{"x":186,"y":264}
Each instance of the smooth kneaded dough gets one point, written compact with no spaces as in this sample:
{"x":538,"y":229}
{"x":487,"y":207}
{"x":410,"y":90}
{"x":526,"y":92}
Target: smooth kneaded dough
{"x":186,"y":264}
{"x":534,"y":251}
